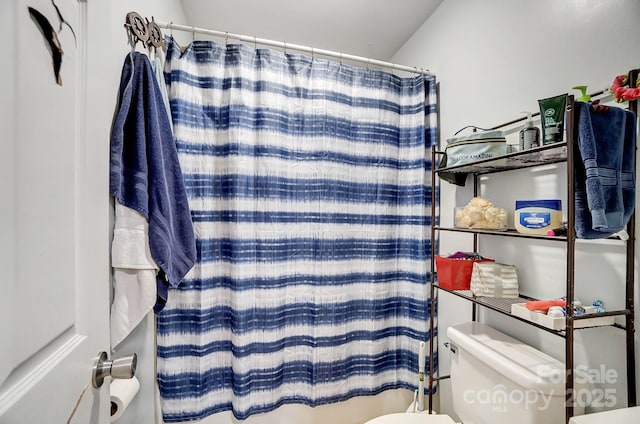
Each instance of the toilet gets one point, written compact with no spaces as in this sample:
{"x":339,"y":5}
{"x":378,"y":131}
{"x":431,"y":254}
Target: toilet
{"x":409,"y":418}
{"x":496,"y":379}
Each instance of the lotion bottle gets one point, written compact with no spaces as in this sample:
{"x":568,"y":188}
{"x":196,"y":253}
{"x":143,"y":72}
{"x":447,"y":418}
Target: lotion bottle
{"x":529,"y":135}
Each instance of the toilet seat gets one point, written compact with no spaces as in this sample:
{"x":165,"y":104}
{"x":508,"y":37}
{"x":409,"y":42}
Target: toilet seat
{"x":409,"y":418}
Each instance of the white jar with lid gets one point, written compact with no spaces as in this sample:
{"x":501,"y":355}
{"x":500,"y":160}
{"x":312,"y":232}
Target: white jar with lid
{"x":538,"y":216}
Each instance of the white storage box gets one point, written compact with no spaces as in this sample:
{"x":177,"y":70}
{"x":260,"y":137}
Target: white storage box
{"x":492,"y":279}
{"x":557,"y":323}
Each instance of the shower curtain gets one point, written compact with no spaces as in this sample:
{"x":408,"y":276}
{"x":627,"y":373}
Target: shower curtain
{"x":309,"y":188}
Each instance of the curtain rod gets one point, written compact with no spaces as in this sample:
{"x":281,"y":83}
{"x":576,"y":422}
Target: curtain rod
{"x":286,"y":46}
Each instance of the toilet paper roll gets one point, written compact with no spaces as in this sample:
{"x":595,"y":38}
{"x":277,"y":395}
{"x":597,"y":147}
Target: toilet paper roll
{"x":122,"y":393}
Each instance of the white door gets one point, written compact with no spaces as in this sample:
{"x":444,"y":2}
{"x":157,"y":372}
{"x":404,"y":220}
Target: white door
{"x":54,"y":270}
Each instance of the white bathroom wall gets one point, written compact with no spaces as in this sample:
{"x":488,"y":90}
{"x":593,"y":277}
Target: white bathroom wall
{"x":493,"y":59}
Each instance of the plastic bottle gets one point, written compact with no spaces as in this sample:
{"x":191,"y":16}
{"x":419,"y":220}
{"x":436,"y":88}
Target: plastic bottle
{"x":529,"y":135}
{"x":584,"y":97}
{"x":537,"y":216}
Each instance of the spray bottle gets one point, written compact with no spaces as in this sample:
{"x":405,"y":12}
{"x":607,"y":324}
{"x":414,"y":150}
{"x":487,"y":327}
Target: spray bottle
{"x":529,"y":135}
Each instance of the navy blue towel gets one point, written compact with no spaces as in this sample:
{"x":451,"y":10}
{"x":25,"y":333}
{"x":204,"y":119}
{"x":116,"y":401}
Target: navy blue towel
{"x":145,"y":173}
{"x":605,"y":183}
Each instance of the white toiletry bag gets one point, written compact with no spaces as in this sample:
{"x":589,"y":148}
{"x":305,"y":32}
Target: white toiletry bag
{"x":474,"y":147}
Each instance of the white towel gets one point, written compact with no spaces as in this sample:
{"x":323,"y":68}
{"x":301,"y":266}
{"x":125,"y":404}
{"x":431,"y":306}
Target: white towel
{"x":134,"y":273}
{"x":157,"y":66}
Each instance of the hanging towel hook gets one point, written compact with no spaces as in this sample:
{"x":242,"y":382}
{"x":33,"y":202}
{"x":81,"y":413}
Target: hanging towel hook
{"x":146,"y":31}
{"x":137,"y":29}
{"x":155,"y":35}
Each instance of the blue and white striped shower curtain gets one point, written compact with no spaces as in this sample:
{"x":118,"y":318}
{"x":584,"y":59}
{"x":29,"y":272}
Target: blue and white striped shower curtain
{"x":309,"y":188}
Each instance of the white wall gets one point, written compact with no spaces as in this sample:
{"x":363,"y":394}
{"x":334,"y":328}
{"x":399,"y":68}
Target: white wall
{"x":493,"y":59}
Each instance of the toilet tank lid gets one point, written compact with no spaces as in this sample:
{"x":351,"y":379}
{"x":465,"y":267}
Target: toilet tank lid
{"x":517,"y":361}
{"x":410,"y":418}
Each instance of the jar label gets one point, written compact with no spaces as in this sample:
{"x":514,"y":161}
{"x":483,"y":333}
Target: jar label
{"x":535,"y":219}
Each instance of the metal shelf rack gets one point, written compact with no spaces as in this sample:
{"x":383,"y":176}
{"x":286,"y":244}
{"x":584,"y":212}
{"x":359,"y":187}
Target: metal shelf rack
{"x":543,"y":155}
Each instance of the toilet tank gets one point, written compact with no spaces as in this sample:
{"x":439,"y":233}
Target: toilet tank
{"x":496,"y":379}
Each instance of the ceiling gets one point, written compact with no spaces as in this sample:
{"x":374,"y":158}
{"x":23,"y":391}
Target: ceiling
{"x":370,"y":28}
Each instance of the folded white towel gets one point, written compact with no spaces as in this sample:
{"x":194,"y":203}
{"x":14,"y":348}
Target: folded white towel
{"x":130,"y":245}
{"x":134,"y":273}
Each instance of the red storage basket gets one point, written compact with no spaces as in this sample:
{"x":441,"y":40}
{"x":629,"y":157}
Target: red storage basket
{"x":455,"y":274}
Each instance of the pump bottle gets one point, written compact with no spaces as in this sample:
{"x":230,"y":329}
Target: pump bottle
{"x":529,"y":135}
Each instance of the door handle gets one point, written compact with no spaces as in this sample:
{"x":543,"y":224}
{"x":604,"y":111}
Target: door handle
{"x":124,"y":367}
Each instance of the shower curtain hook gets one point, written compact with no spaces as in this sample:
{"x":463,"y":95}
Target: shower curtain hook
{"x":171,"y":28}
{"x":340,"y":58}
{"x":193,"y":33}
{"x":313,"y":54}
{"x":285,"y":48}
{"x":226,"y":38}
{"x":255,"y":42}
